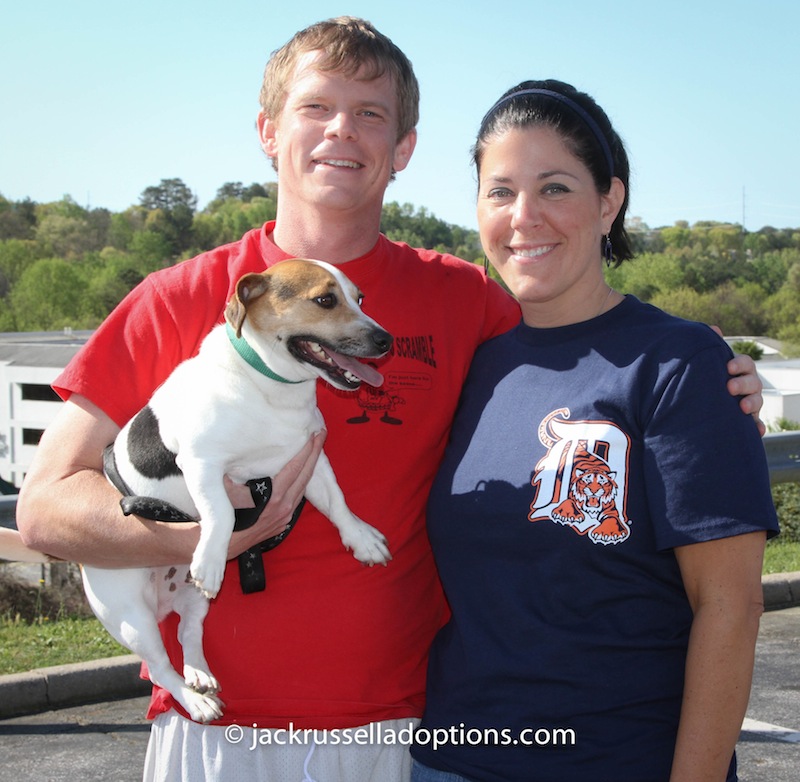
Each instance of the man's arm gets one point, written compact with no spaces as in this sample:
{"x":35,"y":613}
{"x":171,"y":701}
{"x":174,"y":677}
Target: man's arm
{"x":69,"y":510}
{"x":722,"y":579}
{"x":745,"y":383}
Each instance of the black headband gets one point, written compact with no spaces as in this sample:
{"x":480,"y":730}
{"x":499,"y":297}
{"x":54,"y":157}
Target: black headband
{"x":578,"y":109}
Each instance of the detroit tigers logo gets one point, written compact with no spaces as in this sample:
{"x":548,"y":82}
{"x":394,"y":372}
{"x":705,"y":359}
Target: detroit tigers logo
{"x":580,"y":483}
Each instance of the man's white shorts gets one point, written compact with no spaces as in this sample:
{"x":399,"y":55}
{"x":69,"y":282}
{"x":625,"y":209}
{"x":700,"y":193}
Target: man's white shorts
{"x":184,"y":751}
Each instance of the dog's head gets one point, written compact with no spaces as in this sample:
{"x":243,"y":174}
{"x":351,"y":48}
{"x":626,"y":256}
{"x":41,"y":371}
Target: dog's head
{"x":304,"y":319}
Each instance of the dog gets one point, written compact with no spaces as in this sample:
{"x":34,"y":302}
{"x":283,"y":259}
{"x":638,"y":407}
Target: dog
{"x":242,"y":407}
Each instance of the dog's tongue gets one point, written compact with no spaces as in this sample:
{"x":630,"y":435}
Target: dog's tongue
{"x":366,"y":373}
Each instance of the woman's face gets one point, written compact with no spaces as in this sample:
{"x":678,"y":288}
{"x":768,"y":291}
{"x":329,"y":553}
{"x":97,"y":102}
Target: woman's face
{"x":541,"y":220}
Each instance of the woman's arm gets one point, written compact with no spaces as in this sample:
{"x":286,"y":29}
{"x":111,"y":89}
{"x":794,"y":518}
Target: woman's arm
{"x":68,"y":509}
{"x":722,"y":579}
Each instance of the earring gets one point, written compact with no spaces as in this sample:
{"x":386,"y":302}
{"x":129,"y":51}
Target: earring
{"x":485,"y":265}
{"x":608,"y":250}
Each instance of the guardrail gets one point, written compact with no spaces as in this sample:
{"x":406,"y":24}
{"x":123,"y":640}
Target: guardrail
{"x":783,"y":456}
{"x":782,"y":448}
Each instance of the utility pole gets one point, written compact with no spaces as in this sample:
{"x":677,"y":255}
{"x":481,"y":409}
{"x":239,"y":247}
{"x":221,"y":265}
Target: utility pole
{"x":743,"y":208}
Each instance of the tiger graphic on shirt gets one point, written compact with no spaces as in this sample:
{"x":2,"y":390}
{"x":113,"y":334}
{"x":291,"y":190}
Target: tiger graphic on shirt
{"x":581,"y":481}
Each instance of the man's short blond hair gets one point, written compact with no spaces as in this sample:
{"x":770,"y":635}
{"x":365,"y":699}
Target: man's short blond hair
{"x":348,"y":44}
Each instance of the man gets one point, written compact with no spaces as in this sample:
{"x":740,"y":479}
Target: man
{"x":328,"y":644}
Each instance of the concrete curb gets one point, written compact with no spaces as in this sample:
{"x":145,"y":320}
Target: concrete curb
{"x":45,"y":689}
{"x":781,"y":590}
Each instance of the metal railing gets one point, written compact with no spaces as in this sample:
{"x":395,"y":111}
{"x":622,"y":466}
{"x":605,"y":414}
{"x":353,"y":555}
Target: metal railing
{"x":782,"y":448}
{"x":783,"y":456}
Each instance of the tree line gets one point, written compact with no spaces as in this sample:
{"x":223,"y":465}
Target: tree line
{"x":748,"y":283}
{"x":64,"y":265}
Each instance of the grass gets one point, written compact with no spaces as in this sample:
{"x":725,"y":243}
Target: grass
{"x":43,"y":625}
{"x":782,"y":557}
{"x":40,"y":626}
{"x":25,"y":646}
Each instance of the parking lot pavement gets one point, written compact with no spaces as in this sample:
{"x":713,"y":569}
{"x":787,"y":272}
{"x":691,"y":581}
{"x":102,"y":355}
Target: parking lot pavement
{"x":91,"y":743}
{"x":769,"y":746}
{"x":107,"y":741}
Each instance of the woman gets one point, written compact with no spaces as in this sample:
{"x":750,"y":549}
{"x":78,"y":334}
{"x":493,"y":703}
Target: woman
{"x":600,"y":517}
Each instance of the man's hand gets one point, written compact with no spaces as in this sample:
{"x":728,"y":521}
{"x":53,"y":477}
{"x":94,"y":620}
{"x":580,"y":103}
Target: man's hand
{"x":746,"y":383}
{"x":288,"y":487}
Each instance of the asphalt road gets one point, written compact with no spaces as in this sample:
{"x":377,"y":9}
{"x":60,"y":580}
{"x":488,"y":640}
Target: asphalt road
{"x":769,"y":747}
{"x":107,"y":741}
{"x":103,"y":742}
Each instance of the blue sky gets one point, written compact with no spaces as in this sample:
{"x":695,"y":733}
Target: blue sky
{"x":103,"y":99}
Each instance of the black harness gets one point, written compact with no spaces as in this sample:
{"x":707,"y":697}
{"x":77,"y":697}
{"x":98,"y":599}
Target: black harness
{"x":251,"y":565}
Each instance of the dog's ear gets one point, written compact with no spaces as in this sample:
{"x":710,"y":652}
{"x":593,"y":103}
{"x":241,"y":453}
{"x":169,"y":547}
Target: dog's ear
{"x":249,"y":288}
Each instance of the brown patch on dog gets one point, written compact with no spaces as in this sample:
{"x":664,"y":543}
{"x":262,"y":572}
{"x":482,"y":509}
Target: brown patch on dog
{"x":286,"y":285}
{"x":249,"y":287}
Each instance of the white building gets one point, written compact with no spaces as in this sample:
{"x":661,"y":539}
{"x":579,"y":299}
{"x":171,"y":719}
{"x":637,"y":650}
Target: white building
{"x":29,"y":362}
{"x":781,"y":379}
{"x":781,"y":392}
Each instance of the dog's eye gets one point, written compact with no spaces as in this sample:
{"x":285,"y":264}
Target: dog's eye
{"x":328,"y":301}
{"x":360,"y":299}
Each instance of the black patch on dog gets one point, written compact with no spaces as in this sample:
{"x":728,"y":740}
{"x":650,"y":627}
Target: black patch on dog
{"x":146,"y":449}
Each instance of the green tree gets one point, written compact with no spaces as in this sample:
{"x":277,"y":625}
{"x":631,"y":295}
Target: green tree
{"x":171,"y":206}
{"x":756,"y":244}
{"x":63,"y":236}
{"x":683,"y":302}
{"x":17,"y":219}
{"x":168,"y":195}
{"x":67,"y":230}
{"x":16,"y":255}
{"x":112,"y":281}
{"x":239,"y":192}
{"x":734,"y":310}
{"x":420,"y":228}
{"x":676,"y":237}
{"x":48,"y":296}
{"x":151,"y":250}
{"x":747,"y":347}
{"x":230,"y":190}
{"x":726,"y":239}
{"x":782,"y":309}
{"x":124,"y":225}
{"x":66,"y":207}
{"x":228,"y":220}
{"x":648,"y":274}
{"x":770,"y":269}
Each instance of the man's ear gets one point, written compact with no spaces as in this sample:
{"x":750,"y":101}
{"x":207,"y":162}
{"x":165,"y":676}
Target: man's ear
{"x":267,"y":134}
{"x":404,"y":150}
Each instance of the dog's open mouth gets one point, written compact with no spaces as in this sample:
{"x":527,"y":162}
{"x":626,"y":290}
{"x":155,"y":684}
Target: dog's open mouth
{"x":343,"y":370}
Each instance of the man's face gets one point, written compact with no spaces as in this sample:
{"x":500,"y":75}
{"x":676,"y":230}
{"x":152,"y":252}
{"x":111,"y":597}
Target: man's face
{"x":335,"y":142}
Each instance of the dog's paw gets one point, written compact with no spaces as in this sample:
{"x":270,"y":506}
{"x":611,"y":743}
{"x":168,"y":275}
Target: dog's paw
{"x":200,"y":681}
{"x":201,"y":708}
{"x":206,"y":574}
{"x":367,"y":544}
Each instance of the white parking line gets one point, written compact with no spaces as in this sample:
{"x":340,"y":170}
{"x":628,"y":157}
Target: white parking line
{"x":773,"y":731}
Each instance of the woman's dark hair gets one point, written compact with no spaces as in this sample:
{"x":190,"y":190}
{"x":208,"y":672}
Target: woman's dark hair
{"x":583,"y":126}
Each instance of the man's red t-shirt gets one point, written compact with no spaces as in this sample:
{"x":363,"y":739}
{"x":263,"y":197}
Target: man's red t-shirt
{"x":329,"y":643}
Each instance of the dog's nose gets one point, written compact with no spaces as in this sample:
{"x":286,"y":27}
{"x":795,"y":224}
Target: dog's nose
{"x":382,"y":340}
